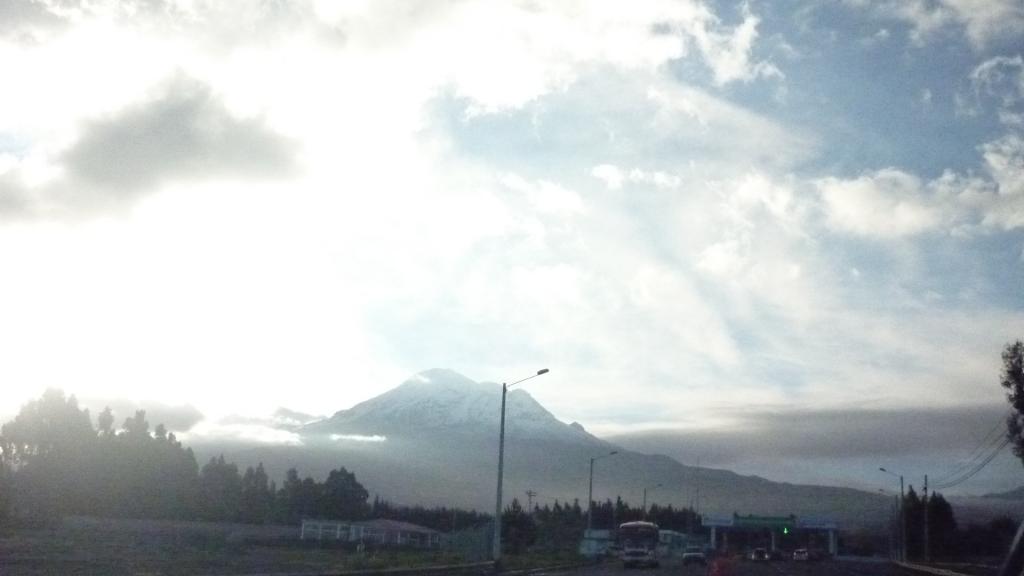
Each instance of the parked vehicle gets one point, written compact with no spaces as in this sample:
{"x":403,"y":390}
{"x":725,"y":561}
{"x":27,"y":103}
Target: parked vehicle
{"x":694,"y":555}
{"x":801,"y":555}
{"x":759,"y":555}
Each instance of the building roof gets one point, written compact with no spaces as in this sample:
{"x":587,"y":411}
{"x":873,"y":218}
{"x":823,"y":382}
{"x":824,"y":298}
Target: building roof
{"x":395,"y":525}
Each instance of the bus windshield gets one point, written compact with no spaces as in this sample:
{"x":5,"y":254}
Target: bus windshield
{"x":638,"y":535}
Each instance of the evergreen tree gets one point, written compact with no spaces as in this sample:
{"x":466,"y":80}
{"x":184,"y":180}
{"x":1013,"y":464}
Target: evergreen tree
{"x":914,"y":523}
{"x":220,"y":490}
{"x":1013,"y":381}
{"x":343,"y":497}
{"x":257,"y":497}
{"x":942,"y":530}
{"x":518,"y":528}
{"x":105,"y":422}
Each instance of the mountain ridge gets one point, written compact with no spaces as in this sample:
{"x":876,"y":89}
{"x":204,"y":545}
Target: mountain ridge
{"x":444,"y":399}
{"x":438,"y":435}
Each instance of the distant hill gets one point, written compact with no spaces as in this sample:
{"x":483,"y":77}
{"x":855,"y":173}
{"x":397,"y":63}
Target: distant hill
{"x":1016,"y":494}
{"x":433,"y":440}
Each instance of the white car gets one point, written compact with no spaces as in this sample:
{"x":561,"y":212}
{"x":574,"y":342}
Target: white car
{"x":694,"y":555}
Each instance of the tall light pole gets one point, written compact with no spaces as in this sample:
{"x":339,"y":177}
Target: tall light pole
{"x":496,"y":545}
{"x":590,"y":492}
{"x":903,"y":521}
{"x":894,"y":545}
{"x":645,"y":497}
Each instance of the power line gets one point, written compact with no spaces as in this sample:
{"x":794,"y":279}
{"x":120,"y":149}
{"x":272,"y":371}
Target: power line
{"x":978,"y":453}
{"x":978,"y":468}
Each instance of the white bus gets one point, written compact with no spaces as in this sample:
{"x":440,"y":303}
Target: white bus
{"x":638,"y":542}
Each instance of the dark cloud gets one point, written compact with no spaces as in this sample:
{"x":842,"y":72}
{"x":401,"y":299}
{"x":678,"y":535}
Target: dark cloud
{"x":26,"y":20}
{"x":184,"y":133}
{"x":21,"y":20}
{"x":175,"y":418}
{"x":827,"y":434}
{"x":13,"y":199}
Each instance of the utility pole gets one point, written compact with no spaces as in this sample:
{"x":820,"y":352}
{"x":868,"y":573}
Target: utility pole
{"x":927,"y":548}
{"x":496,"y":543}
{"x":696,"y":480}
{"x":645,"y":497}
{"x":903,"y":516}
{"x":529,"y":499}
{"x":590,"y":492}
{"x":903,"y":524}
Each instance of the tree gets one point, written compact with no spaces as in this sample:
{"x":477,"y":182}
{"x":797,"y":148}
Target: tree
{"x":48,"y":448}
{"x":257,"y":497}
{"x":1013,"y":381}
{"x":343,"y":497}
{"x":49,"y":427}
{"x":106,"y":422}
{"x":220,"y":490}
{"x":913,"y":516}
{"x":518,"y":527}
{"x":137,"y":428}
{"x":942,"y":529}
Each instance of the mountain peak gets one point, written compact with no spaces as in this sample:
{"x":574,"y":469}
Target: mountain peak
{"x":444,"y":399}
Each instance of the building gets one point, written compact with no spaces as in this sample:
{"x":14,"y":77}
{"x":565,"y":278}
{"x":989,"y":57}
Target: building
{"x":767,"y":531}
{"x":379,"y":531}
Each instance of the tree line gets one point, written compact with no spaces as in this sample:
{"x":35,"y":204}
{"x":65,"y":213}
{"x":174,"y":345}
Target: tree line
{"x":946,"y":539}
{"x":55,"y":462}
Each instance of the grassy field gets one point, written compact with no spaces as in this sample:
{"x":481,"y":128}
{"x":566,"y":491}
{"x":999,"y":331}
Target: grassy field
{"x":91,"y":546}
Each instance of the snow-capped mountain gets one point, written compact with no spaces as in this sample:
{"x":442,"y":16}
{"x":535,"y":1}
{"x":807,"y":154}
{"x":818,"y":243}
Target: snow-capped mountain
{"x":434,"y":440}
{"x":445,"y":400}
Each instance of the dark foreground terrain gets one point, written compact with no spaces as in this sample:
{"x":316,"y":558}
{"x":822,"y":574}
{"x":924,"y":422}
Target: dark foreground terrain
{"x":742,"y":568}
{"x":87,"y":547}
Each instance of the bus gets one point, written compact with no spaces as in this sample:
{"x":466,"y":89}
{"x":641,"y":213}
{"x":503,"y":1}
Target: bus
{"x":638,"y":542}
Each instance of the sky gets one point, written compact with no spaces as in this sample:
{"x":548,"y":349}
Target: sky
{"x":693,"y":213}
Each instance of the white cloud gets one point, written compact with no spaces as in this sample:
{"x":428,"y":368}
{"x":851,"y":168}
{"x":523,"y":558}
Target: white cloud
{"x":728,"y":53}
{"x":611,"y":175}
{"x":999,"y":82}
{"x":889,"y":203}
{"x":357,"y":438}
{"x":1005,"y":162}
{"x":221,"y":432}
{"x":983,"y":21}
{"x":545,"y":196}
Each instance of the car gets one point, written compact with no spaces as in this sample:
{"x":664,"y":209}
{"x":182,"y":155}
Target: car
{"x":694,"y":555}
{"x":759,"y":555}
{"x":801,"y":555}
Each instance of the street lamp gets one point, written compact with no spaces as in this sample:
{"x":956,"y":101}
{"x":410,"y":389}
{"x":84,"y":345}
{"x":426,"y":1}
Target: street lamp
{"x":496,"y":545}
{"x":903,"y":522}
{"x":590,"y":493}
{"x":645,"y":497}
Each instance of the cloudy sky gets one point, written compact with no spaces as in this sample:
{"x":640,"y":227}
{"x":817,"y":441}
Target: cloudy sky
{"x":694,"y":213}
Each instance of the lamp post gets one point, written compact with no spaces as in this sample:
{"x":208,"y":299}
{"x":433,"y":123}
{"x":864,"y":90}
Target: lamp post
{"x":645,"y":497}
{"x":590,"y":492}
{"x":894,"y":546}
{"x":903,"y":522}
{"x":496,"y":545}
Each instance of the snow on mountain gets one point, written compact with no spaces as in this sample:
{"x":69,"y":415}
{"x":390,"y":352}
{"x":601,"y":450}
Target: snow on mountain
{"x":434,"y":440}
{"x":444,"y":399}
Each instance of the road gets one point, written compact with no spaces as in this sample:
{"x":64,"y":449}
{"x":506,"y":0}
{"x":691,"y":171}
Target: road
{"x":829,"y":568}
